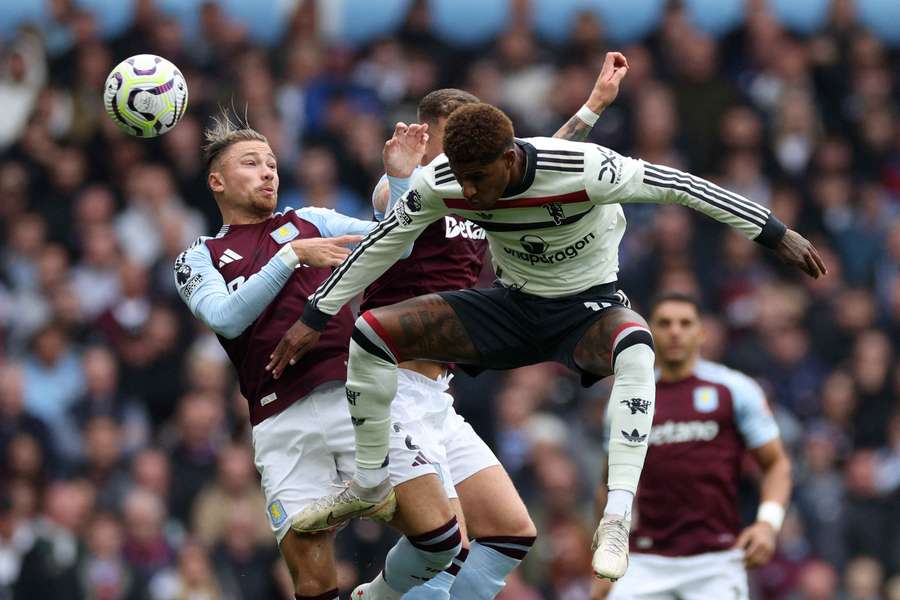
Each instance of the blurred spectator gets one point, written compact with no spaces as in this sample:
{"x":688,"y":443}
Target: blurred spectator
{"x":53,"y":381}
{"x":193,"y":578}
{"x":52,"y":568}
{"x":236,"y":486}
{"x":105,"y":573}
{"x":246,"y":563}
{"x":102,"y":398}
{"x":146,"y":548}
{"x":15,"y":420}
{"x":194,"y":455}
{"x":23,"y":71}
{"x":103,"y":464}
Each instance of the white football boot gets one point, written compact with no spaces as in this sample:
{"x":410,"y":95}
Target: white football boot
{"x":611,"y":547}
{"x":351,"y":502}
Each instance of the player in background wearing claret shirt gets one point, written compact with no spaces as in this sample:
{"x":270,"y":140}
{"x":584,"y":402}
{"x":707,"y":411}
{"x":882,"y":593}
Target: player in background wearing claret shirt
{"x":449,"y":255}
{"x":551,"y":210}
{"x":249,"y":283}
{"x":687,"y":543}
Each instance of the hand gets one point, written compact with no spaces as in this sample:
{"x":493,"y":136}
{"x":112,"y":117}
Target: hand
{"x":606,"y":88}
{"x":324,"y":252}
{"x":758,"y":544}
{"x":294,"y":344}
{"x":796,"y":250}
{"x":404,"y":151}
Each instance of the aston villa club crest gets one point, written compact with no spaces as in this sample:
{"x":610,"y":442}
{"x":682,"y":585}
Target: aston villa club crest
{"x":276,"y":513}
{"x":285,"y":233}
{"x":706,"y":399}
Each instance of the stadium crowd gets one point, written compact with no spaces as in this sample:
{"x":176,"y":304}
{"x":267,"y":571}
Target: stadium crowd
{"x":126,"y":471}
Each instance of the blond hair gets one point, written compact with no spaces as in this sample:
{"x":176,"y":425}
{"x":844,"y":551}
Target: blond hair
{"x":226,"y":131}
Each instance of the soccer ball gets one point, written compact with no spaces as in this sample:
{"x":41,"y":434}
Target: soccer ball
{"x":145,"y":95}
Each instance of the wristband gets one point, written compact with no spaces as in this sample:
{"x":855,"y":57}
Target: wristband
{"x":587,"y":115}
{"x":771,"y":513}
{"x":771,"y":233}
{"x":288,"y":256}
{"x":315,"y":318}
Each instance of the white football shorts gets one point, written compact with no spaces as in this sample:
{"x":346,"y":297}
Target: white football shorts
{"x":427,"y":404}
{"x":713,"y":575}
{"x":306,"y":450}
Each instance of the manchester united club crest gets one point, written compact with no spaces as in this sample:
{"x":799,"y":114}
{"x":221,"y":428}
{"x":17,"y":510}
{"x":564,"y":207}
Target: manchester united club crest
{"x":556,"y":212}
{"x":636,"y":405}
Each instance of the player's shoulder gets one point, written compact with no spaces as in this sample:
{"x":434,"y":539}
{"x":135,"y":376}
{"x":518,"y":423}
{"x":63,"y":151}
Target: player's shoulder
{"x":435,"y":174}
{"x":547,"y":144}
{"x":740,"y":384}
{"x":197,"y":250}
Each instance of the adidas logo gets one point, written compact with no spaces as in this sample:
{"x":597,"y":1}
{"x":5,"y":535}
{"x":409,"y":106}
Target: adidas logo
{"x":634,"y":436}
{"x":228,"y":257}
{"x":420,"y":460}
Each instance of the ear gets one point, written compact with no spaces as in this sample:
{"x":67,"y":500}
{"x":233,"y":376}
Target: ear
{"x":509,"y":156}
{"x":215,"y":182}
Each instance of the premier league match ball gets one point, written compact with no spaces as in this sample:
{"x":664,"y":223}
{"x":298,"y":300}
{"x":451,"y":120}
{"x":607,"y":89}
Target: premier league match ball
{"x":145,"y":95}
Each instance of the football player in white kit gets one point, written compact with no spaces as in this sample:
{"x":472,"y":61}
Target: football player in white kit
{"x":551,"y":212}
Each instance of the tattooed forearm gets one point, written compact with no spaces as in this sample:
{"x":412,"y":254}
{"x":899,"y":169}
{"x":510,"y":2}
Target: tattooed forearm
{"x":575,"y":130}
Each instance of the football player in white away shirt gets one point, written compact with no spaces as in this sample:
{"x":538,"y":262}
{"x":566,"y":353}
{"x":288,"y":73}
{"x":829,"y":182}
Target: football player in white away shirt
{"x":552,"y":213}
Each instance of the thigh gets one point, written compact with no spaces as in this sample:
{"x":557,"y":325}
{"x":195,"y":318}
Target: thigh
{"x":593,"y":352}
{"x":721,"y":575}
{"x":425,"y":327}
{"x":500,"y":324}
{"x":492,"y":505}
{"x":296,"y":466}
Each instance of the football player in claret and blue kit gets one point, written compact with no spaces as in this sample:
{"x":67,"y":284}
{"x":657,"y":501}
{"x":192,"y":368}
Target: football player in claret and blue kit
{"x":687,"y":543}
{"x":248,"y":283}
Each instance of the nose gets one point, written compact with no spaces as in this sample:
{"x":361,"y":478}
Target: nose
{"x":468,"y":190}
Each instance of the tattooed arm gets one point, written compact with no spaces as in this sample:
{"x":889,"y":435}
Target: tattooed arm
{"x":606,"y":88}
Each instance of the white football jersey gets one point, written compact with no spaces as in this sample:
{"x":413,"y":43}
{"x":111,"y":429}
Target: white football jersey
{"x":554,"y":235}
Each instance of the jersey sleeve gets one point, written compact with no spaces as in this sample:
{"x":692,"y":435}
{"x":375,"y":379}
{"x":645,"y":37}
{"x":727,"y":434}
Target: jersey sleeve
{"x":751,"y":412}
{"x":388,"y":242}
{"x":612,"y":178}
{"x":206,"y":294}
{"x":396,"y":187}
{"x":331,"y":223}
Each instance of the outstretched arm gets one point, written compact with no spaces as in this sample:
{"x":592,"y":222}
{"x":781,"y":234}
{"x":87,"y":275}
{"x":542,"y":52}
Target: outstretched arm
{"x":611,"y":178}
{"x":606,"y":88}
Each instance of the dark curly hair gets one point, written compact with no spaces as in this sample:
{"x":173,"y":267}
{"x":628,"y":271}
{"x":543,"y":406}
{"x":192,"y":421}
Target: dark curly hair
{"x":440,"y":103}
{"x":477,"y":133}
